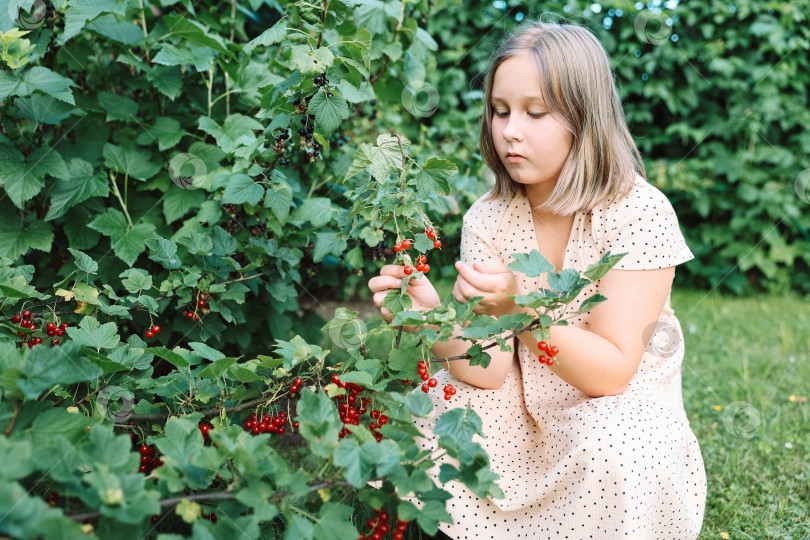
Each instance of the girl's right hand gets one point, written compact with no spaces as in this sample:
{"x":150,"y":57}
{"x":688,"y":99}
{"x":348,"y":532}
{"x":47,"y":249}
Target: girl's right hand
{"x":423,"y":295}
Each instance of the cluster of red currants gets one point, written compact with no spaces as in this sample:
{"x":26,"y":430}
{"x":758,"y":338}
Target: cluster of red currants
{"x":269,"y":424}
{"x":546,"y":350}
{"x":152,"y":332}
{"x":421,"y":260}
{"x":29,"y":328}
{"x":352,"y":407}
{"x":379,"y":527}
{"x":296,"y":385}
{"x":149,"y":461}
{"x":449,"y":391}
{"x":202,"y":304}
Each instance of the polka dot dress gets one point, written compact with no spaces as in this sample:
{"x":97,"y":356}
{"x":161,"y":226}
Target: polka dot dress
{"x":570,"y":466}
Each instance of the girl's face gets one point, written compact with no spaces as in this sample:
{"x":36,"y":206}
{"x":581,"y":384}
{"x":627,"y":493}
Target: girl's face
{"x":522,"y":125}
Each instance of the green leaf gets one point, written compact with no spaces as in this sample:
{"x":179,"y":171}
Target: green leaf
{"x":422,"y":243}
{"x":80,"y":11}
{"x":329,"y":112}
{"x":117,"y":107}
{"x":166,"y":131}
{"x":46,"y":109}
{"x":37,"y":78}
{"x":279,"y":198}
{"x":84,"y":262}
{"x":178,"y":201}
{"x":217,"y":368}
{"x":317,"y":211}
{"x":478,"y":357}
{"x":396,"y":302}
{"x":532,"y":264}
{"x":130,"y":160}
{"x":182,"y":441}
{"x":205,"y":351}
{"x":311,"y":62}
{"x":136,"y":280}
{"x":590,"y":303}
{"x":126,"y":243}
{"x":125,"y":32}
{"x":195,"y":55}
{"x":297,"y":350}
{"x":170,"y":356}
{"x":163,"y":251}
{"x":567,"y":283}
{"x":597,"y":271}
{"x":328,"y":244}
{"x":242,"y":189}
{"x":80,"y":185}
{"x":236,"y":131}
{"x":271,"y":36}
{"x":319,"y":422}
{"x":15,"y":285}
{"x":16,"y":238}
{"x":193,"y":31}
{"x":363,"y":159}
{"x":434,"y":177}
{"x":46,"y":367}
{"x":93,"y":334}
{"x":23,"y":178}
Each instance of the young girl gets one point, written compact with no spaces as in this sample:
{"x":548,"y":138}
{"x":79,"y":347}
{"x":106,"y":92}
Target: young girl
{"x":596,"y":445}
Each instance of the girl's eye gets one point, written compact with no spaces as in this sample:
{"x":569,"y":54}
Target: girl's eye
{"x":537,"y":115}
{"x":501,"y":114}
{"x":533,"y":115}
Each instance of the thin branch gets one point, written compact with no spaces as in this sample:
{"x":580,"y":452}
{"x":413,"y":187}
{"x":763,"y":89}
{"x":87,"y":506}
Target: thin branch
{"x":531,"y":326}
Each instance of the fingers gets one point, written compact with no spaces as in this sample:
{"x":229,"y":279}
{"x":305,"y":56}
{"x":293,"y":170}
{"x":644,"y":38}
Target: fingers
{"x":383,"y":283}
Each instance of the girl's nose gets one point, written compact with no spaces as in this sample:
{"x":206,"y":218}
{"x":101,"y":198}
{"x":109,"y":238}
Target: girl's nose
{"x":513,"y":129}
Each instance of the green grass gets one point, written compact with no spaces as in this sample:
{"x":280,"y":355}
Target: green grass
{"x":747,"y":357}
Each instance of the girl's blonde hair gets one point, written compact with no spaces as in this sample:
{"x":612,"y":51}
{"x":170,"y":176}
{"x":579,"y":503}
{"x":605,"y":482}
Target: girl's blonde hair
{"x":579,"y":90}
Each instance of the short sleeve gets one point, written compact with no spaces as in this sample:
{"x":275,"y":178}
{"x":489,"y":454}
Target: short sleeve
{"x":478,"y":231}
{"x":644,"y":226}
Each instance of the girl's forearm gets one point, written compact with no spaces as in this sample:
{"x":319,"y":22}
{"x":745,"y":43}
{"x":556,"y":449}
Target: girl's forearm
{"x":586,"y":361}
{"x":491,"y":377}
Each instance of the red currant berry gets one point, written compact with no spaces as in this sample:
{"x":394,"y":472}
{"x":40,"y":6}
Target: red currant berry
{"x":447,"y":397}
{"x":36,"y":340}
{"x":432,"y":383}
{"x":294,"y":388}
{"x":406,"y":244}
{"x":55,"y":341}
{"x":408,"y":270}
{"x":205,"y":428}
{"x":143,"y":468}
{"x":50,"y":333}
{"x":549,"y":361}
{"x":425,"y":388}
{"x":33,"y":326}
{"x":25,"y":323}
{"x":295,"y":424}
{"x":64,"y":325}
{"x":397,"y":248}
{"x":202,"y":303}
{"x":543,"y":346}
{"x":156,"y":329}
{"x":419,"y":267}
{"x":16,"y":318}
{"x":421,"y":259}
{"x":50,"y":326}
{"x":145,"y":450}
{"x":553,"y":350}
{"x":26,"y":314}
{"x":335,"y":379}
{"x":149,"y":334}
{"x":60,"y":332}
{"x":425,"y":268}
{"x":437,"y":244}
{"x":297,"y":381}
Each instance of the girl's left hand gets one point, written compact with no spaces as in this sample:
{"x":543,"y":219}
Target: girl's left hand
{"x":494,"y":281}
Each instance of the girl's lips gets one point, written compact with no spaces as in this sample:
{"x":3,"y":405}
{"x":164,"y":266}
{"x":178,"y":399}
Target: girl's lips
{"x":515,"y":158}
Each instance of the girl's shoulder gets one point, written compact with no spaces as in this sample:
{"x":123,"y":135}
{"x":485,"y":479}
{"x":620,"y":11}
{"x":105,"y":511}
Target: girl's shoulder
{"x":643,"y":198}
{"x":487,"y":211}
